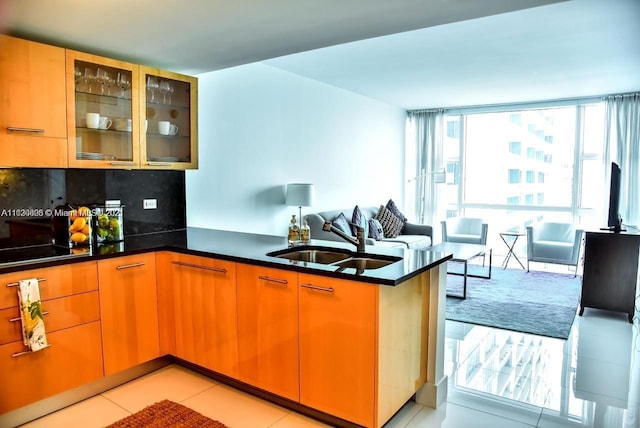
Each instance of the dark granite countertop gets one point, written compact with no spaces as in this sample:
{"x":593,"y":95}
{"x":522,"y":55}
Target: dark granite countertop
{"x":228,"y":245}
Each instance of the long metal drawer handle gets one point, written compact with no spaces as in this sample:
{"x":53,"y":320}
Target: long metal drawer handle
{"x":315,"y":287}
{"x":132,"y":265}
{"x":214,"y":269}
{"x":15,"y":284}
{"x":17,"y":354}
{"x":29,"y":130}
{"x":159,"y":163}
{"x":269,"y":279}
{"x":18,"y":319}
{"x":123,"y":163}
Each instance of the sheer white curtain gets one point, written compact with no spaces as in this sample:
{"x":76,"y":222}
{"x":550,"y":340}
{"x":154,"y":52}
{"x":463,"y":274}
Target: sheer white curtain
{"x":622,"y":145}
{"x":423,"y":158}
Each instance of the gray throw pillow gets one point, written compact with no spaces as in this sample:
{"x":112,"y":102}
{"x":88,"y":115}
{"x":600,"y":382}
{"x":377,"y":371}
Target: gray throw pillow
{"x":342,"y":223}
{"x":359,"y":218}
{"x":375,"y":229}
{"x":391,"y":224}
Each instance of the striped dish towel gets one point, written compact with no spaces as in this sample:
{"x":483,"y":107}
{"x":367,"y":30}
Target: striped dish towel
{"x":33,"y":333}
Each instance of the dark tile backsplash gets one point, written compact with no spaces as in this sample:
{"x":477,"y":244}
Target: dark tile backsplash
{"x":26,"y":194}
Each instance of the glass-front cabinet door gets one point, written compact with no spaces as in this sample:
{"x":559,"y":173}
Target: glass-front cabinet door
{"x":103,"y":112}
{"x":168,"y":109}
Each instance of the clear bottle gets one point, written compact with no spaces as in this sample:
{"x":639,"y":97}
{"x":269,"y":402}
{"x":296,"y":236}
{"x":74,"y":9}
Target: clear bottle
{"x":305,"y":232}
{"x":294,"y":231}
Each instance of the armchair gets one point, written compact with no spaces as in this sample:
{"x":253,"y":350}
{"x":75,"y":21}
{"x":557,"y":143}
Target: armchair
{"x":466,"y":230}
{"x":558,"y":243}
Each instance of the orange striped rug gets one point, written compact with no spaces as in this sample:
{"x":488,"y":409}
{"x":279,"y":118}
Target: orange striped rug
{"x":167,"y":414}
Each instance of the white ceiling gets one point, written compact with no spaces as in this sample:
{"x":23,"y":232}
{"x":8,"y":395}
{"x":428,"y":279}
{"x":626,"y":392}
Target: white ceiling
{"x":409,"y":53}
{"x":572,"y":49}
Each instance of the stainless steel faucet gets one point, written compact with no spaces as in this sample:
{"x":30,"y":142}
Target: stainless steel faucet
{"x":358,"y":241}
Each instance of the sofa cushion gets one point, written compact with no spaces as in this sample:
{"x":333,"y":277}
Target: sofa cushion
{"x":342,"y":223}
{"x":412,"y":242}
{"x":391,"y":224}
{"x":391,"y":206}
{"x":358,"y":218}
{"x":375,"y":229}
{"x":463,"y":238}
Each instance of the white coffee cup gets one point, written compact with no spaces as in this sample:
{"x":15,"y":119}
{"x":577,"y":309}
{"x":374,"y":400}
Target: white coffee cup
{"x":93,"y":120}
{"x":166,"y":128}
{"x":105,"y":122}
{"x":146,"y":126}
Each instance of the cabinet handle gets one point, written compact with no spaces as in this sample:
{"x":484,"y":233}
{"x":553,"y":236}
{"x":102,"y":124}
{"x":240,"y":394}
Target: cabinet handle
{"x":18,"y":319}
{"x":132,"y":265}
{"x":159,"y":163}
{"x":123,"y":163}
{"x":214,"y":269}
{"x":17,"y":354}
{"x":316,"y":287}
{"x":269,"y":279}
{"x":15,"y":284}
{"x":28,"y":130}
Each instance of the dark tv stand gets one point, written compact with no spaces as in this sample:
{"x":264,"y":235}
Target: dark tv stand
{"x":610,"y":271}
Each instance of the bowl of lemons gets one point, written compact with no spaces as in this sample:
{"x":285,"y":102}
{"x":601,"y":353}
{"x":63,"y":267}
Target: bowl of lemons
{"x":80,"y":232}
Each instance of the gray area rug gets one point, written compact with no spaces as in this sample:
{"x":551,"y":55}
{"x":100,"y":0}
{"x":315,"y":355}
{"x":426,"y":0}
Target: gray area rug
{"x":541,"y":303}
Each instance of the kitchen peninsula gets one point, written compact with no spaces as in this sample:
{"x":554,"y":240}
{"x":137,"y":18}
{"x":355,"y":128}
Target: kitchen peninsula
{"x":346,"y":346}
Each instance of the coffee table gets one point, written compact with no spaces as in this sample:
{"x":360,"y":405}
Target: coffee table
{"x":463,"y":253}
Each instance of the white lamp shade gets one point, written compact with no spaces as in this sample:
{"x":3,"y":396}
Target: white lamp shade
{"x":300,"y":195}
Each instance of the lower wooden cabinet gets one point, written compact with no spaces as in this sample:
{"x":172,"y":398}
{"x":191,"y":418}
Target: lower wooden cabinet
{"x":71,"y":315}
{"x":338,"y":347}
{"x":129,"y":311}
{"x":268,"y":329}
{"x":74,"y":358}
{"x":205,"y":312}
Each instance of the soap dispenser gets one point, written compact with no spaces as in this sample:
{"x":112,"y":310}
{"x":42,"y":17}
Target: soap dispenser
{"x":294,"y":231}
{"x":305,"y":232}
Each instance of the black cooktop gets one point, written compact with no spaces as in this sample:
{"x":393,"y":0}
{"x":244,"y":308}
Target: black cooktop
{"x":24,"y":255}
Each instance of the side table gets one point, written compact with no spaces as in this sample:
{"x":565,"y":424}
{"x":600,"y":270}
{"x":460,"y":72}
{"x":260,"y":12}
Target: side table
{"x":510,"y":245}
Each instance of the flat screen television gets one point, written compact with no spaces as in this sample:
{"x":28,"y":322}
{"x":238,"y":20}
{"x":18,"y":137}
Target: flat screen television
{"x":614,"y":222}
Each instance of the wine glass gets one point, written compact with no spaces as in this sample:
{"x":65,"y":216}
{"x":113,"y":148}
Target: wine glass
{"x":169,"y":93}
{"x":102,"y":76}
{"x":152,"y":85}
{"x":165,"y":88}
{"x":122,"y":81}
{"x":77,"y":75}
{"x":88,"y":77}
{"x":109,"y":83}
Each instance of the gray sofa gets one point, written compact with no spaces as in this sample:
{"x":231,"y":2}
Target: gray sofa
{"x":413,"y":236}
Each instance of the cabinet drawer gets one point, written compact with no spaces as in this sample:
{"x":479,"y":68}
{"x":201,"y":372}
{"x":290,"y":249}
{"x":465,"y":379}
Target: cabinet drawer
{"x":20,"y":151}
{"x":59,"y":281}
{"x":60,"y":313}
{"x":74,"y":358}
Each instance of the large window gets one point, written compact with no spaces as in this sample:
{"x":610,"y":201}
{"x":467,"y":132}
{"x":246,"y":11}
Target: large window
{"x":520,"y":166}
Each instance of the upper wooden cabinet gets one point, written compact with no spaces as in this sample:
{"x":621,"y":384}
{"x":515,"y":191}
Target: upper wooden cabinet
{"x":102,"y":112}
{"x":121,"y":115}
{"x":32,"y":104}
{"x":168,"y":110}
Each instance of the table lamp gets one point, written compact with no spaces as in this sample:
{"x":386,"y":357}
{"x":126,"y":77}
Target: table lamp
{"x":300,"y":195}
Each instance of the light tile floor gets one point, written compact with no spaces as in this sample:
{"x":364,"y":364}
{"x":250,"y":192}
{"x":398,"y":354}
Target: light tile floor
{"x":497,"y":378}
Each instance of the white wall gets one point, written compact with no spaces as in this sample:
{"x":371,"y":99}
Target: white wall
{"x":260,"y":128}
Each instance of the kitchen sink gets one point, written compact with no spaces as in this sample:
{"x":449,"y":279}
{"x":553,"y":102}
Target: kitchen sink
{"x":313,"y":254}
{"x":366,"y":262}
{"x":341,"y":258}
